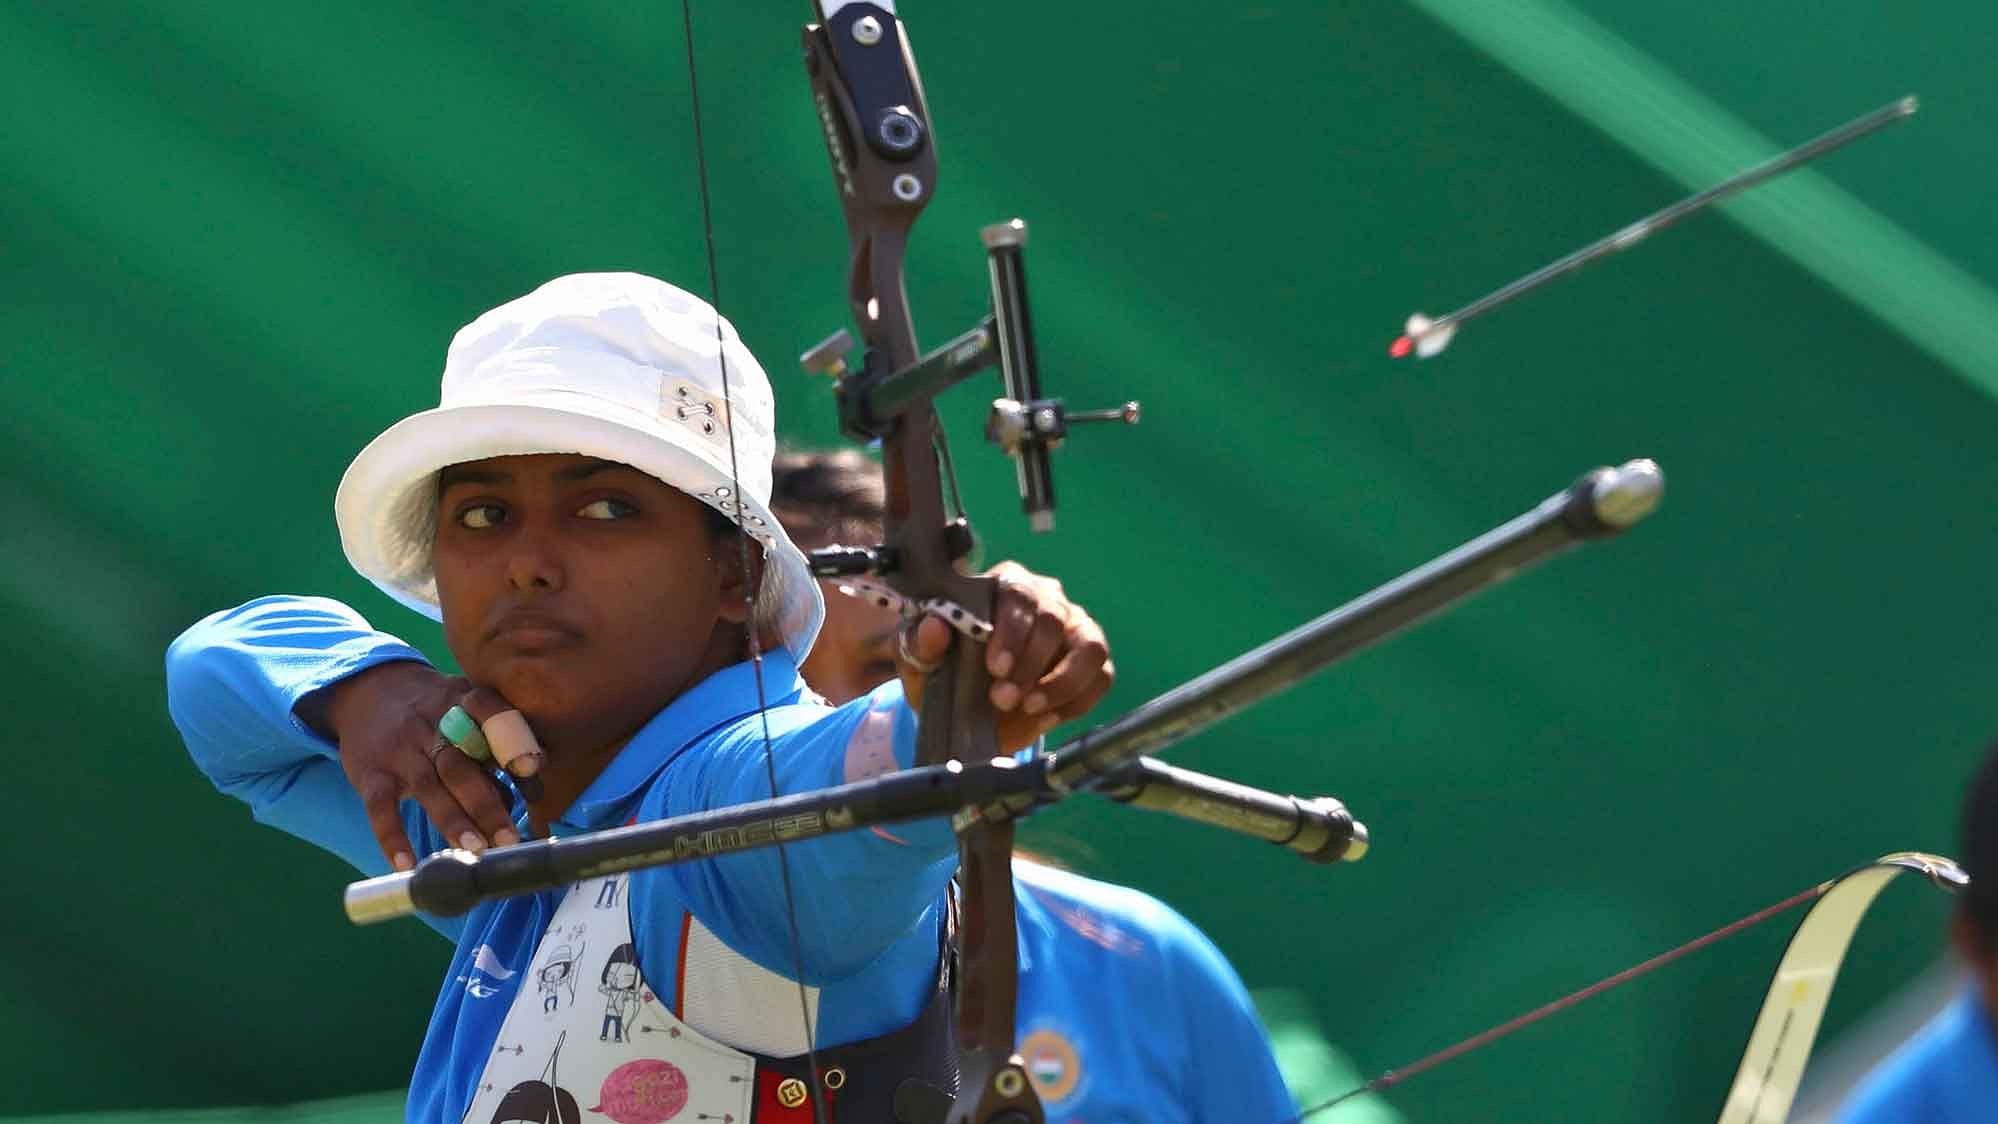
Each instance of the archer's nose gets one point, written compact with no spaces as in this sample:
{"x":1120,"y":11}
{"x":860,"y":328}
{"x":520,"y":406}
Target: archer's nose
{"x":534,"y":566}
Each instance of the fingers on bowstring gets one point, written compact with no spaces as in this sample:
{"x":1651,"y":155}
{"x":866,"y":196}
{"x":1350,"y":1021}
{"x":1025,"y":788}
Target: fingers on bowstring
{"x":424,"y":755}
{"x":513,"y":742}
{"x":470,"y":787}
{"x":444,"y":801}
{"x":380,"y":795}
{"x":450,"y":787}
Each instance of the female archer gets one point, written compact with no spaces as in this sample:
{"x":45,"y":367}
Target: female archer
{"x":580,"y":512}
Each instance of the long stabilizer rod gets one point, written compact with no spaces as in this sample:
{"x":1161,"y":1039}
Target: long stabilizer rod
{"x":1601,"y":503}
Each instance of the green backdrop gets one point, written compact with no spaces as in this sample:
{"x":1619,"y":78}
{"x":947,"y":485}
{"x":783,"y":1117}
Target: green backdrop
{"x":235,"y":238}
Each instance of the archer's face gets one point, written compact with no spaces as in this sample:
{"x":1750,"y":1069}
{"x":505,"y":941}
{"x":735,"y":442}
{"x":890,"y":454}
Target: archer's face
{"x":588,"y":593}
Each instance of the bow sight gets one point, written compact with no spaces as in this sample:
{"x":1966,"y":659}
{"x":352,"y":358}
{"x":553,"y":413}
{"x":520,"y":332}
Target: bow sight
{"x":1022,"y":423}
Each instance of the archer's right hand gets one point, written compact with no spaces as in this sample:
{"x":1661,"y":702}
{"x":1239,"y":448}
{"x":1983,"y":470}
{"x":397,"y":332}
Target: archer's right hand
{"x":385,"y":721}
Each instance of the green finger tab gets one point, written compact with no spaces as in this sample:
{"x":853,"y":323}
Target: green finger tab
{"x":459,"y":729}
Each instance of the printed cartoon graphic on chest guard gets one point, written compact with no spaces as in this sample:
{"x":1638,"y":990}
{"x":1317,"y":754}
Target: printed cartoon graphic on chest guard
{"x":559,"y":1060}
{"x":555,"y":980}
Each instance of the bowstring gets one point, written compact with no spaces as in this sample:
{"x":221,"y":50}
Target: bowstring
{"x":749,"y":589}
{"x":1393,"y":1077}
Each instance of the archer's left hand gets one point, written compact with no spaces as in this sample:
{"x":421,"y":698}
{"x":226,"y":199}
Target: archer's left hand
{"x":1048,"y":658}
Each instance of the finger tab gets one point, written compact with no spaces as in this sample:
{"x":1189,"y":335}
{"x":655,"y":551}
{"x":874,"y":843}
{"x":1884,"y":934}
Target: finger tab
{"x":458,"y":728}
{"x":514,"y":743}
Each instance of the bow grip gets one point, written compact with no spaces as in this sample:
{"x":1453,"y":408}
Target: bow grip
{"x":957,"y":720}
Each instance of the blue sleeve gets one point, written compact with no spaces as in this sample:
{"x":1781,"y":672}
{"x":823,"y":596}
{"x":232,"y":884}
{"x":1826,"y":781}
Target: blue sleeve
{"x":1897,"y":1091}
{"x":1230,"y":1069}
{"x":234,"y":681}
{"x":857,"y":893}
{"x":1886,"y":1096}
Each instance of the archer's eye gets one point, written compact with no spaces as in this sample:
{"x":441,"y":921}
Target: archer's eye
{"x":607,"y":509}
{"x":481,"y":516}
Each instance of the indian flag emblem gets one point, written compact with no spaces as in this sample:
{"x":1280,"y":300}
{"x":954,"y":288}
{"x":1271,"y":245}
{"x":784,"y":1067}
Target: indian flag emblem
{"x":1052,"y":1063}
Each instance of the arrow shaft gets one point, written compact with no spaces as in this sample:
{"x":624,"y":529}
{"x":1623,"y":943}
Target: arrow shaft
{"x":1635,"y":232}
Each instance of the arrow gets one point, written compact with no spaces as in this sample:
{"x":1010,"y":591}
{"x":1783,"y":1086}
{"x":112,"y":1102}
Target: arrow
{"x":1426,"y":337}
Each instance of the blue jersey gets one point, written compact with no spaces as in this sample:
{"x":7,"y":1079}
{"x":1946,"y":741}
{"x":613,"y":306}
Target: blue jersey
{"x":1946,"y":1074}
{"x":1127,"y":1012}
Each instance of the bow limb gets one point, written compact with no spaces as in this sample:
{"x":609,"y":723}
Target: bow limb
{"x":1773,"y":1062}
{"x":1780,"y":1044}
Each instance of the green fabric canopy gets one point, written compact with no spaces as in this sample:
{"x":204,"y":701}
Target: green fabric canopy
{"x":235,"y":238}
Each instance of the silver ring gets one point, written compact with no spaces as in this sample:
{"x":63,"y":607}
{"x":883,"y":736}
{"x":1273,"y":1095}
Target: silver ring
{"x":440,"y":745}
{"x":909,"y":657}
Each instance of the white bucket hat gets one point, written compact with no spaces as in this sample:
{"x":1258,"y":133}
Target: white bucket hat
{"x":612,"y":365}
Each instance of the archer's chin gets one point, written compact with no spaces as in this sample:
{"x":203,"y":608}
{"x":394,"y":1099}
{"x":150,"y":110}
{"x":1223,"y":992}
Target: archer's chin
{"x":543,"y":689}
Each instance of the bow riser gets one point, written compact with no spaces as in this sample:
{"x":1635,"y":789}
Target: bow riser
{"x":878,"y":139}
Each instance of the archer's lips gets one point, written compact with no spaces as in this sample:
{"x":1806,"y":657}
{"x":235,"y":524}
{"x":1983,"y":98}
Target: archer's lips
{"x":530,"y":631}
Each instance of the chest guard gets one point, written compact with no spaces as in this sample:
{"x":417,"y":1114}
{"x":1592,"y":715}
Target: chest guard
{"x":588,"y":1038}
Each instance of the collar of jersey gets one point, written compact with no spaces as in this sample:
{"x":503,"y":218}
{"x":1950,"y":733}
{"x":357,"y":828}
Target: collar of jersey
{"x":714,"y":702}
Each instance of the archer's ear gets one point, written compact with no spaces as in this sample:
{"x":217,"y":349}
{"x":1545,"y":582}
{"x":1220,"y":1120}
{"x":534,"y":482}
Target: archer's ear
{"x":733,"y":592}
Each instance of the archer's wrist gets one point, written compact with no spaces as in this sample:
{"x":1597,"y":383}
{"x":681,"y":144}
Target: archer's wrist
{"x":331,"y":708}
